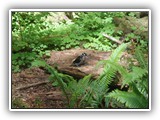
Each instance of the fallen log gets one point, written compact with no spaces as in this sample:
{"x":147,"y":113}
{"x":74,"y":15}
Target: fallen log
{"x":63,"y":60}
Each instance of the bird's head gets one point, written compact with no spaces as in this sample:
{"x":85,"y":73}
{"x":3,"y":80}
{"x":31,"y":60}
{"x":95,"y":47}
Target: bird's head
{"x":84,"y":54}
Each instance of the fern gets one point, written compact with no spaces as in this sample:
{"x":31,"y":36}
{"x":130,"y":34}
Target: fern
{"x":57,"y":76}
{"x":78,"y":92}
{"x":141,"y":58}
{"x":137,"y":79}
{"x":130,"y":99}
{"x":111,"y":66}
{"x":75,"y":91}
{"x":133,"y":76}
{"x":115,"y":56}
{"x":137,"y":97}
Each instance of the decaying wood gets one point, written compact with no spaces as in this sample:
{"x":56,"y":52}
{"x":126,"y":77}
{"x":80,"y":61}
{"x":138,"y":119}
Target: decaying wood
{"x":63,"y":60}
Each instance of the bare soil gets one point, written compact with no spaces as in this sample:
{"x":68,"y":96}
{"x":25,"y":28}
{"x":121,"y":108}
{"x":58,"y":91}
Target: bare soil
{"x":32,"y":88}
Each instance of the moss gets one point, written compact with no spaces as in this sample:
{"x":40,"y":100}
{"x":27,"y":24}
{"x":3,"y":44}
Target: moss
{"x":18,"y":103}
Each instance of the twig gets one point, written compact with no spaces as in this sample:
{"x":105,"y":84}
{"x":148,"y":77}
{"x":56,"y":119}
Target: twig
{"x":112,"y":38}
{"x":32,"y":85}
{"x":54,"y":93}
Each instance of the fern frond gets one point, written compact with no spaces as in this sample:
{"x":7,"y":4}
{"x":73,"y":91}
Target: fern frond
{"x":117,"y":67}
{"x":83,"y":84}
{"x":60,"y":81}
{"x":140,"y":88}
{"x":105,"y":79}
{"x":85,"y":80}
{"x":141,"y":58}
{"x":66,"y":78}
{"x":133,"y":76}
{"x":109,"y":73}
{"x":139,"y":72}
{"x":57,"y":76}
{"x":115,"y":56}
{"x":102,"y":62}
{"x":78,"y":91}
{"x":130,"y":99}
{"x":111,"y":66}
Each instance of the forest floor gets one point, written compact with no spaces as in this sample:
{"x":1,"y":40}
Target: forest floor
{"x":32,"y":89}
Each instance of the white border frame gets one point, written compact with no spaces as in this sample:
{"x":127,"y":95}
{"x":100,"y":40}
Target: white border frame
{"x":78,"y":10}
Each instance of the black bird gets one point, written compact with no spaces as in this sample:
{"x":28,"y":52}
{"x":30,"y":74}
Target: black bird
{"x":80,"y":60}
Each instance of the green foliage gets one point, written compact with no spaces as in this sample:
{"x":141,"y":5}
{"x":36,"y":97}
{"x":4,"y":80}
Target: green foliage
{"x":111,"y":66}
{"x":22,"y":60}
{"x":132,"y":14}
{"x":27,"y":29}
{"x":19,"y":103}
{"x":38,"y":102}
{"x":28,"y":26}
{"x":138,"y":40}
{"x":112,"y":62}
{"x":136,"y":73}
{"x":137,"y":80}
{"x":91,"y":25}
{"x":131,"y":36}
{"x":130,"y":99}
{"x":79,"y":92}
{"x":142,"y":59}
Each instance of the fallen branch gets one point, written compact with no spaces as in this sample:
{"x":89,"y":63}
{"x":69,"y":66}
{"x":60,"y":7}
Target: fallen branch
{"x":54,"y":93}
{"x":32,"y":85}
{"x":112,"y":38}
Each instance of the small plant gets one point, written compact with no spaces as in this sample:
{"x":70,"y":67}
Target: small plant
{"x":22,"y":60}
{"x":38,"y":102}
{"x":18,"y":103}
